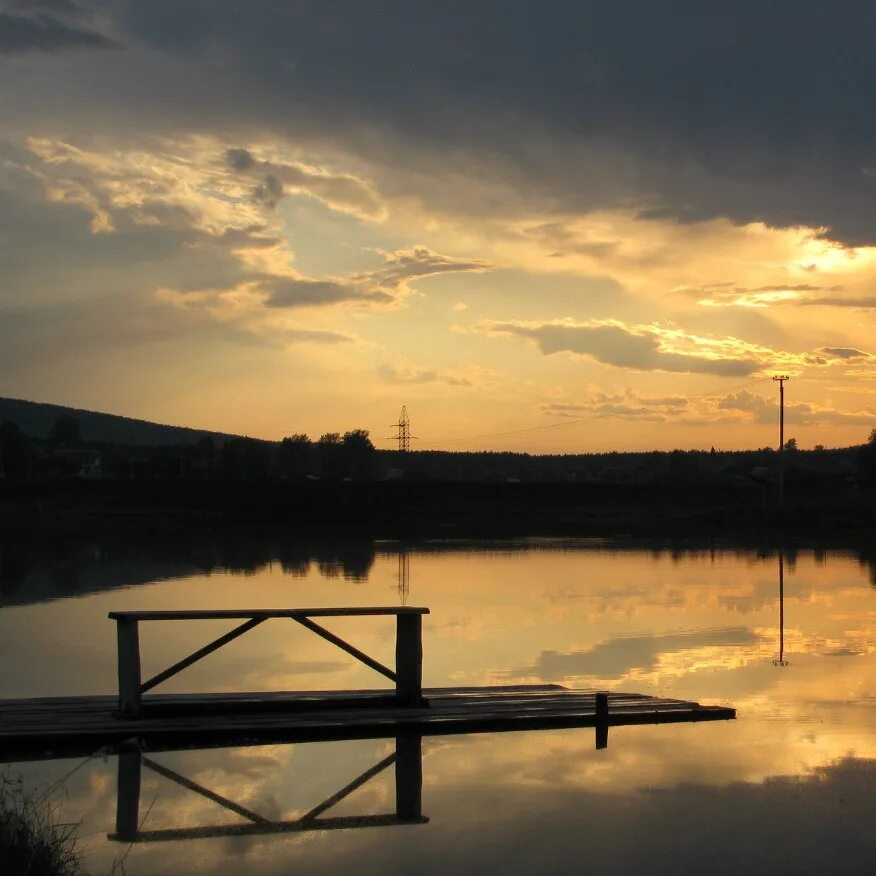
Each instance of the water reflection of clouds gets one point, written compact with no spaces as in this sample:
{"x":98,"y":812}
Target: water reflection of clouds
{"x":575,"y":614}
{"x":660,"y":800}
{"x":272,"y":671}
{"x":614,"y":658}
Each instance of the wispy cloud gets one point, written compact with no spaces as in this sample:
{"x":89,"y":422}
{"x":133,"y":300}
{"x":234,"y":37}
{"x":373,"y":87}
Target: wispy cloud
{"x":274,"y":180}
{"x":406,"y":372}
{"x":765,"y":410}
{"x":771,"y":295}
{"x":648,"y":347}
{"x":627,"y":405}
{"x":731,"y":295}
{"x":389,"y":282}
{"x":654,"y":347}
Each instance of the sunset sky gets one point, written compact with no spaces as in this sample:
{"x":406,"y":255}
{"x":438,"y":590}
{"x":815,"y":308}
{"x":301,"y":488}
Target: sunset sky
{"x":554,"y":226}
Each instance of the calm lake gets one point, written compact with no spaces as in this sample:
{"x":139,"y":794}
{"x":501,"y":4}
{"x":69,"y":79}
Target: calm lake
{"x":788,"y":787}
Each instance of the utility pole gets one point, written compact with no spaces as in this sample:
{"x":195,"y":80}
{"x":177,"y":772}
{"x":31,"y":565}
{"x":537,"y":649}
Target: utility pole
{"x":781,"y":378}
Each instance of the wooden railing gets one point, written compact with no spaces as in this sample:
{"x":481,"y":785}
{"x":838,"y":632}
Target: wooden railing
{"x":407,"y":676}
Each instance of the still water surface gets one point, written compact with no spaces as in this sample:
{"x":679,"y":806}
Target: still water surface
{"x":789,"y":787}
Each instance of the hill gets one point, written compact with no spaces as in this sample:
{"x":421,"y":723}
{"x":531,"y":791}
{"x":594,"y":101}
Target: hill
{"x":36,"y":419}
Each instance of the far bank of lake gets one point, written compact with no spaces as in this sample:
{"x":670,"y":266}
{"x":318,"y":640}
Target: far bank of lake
{"x":443,"y":509}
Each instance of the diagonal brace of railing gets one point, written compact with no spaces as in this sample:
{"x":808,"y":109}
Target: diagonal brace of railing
{"x":345,"y":792}
{"x":346,"y":646}
{"x":201,"y":652}
{"x":204,"y":792}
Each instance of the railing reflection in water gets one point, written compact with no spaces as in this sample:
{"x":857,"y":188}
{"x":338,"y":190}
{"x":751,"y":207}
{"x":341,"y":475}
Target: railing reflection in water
{"x":407,"y":760}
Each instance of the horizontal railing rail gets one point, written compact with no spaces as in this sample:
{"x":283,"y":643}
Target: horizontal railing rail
{"x":407,"y":675}
{"x":222,"y":613}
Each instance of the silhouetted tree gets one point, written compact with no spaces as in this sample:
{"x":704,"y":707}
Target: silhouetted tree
{"x":16,"y":454}
{"x":791,"y":444}
{"x":295,"y":456}
{"x":331,"y":455}
{"x":245,"y":459}
{"x":64,"y":432}
{"x":867,"y":461}
{"x":358,"y":453}
{"x":202,"y":457}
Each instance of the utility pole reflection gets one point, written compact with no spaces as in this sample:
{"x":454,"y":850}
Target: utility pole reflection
{"x":404,"y":575}
{"x":781,"y":661}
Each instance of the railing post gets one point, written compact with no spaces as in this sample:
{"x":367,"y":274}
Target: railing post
{"x":128,"y":634}
{"x":408,"y":778}
{"x":409,"y":659}
{"x":128,"y":794}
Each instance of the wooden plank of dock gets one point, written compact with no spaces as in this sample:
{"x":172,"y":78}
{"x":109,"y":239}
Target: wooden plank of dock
{"x":76,"y":726}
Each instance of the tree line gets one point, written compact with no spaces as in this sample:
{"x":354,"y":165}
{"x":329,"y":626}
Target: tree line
{"x":64,"y":453}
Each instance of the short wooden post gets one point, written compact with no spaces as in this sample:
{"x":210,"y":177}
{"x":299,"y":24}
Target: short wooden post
{"x":128,"y":795}
{"x":409,"y":659}
{"x":128,"y":634}
{"x":601,"y":720}
{"x":408,"y":778}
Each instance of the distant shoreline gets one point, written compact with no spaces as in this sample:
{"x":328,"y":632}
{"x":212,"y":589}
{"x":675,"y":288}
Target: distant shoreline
{"x":437,"y":509}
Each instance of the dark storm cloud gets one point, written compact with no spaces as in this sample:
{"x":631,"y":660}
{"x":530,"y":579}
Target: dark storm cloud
{"x":689,"y":110}
{"x":240,"y":159}
{"x":46,"y":26}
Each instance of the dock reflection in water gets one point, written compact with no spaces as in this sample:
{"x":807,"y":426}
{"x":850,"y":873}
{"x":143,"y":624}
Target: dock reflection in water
{"x":407,"y":760}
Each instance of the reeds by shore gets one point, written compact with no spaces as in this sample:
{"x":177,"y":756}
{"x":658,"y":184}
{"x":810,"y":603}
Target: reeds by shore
{"x":33,"y":841}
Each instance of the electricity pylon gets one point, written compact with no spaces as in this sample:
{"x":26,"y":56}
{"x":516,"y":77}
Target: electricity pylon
{"x":403,"y":431}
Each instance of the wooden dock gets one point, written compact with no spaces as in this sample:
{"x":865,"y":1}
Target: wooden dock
{"x":76,"y":726}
